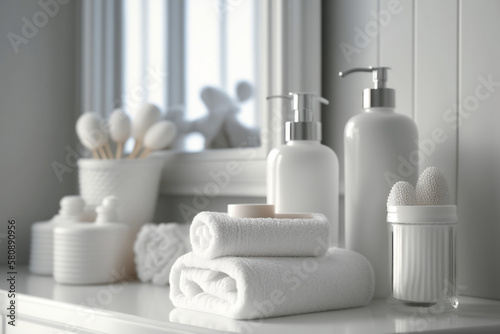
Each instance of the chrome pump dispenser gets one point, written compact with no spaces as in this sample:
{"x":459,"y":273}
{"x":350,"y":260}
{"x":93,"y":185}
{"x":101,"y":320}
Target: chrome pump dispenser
{"x":379,"y":96}
{"x":303,"y":127}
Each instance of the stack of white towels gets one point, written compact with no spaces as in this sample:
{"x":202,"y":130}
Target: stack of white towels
{"x":249,"y":268}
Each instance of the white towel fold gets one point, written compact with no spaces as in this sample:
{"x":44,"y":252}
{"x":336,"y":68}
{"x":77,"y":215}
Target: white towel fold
{"x":215,"y":234}
{"x":261,"y":287}
{"x":156,"y":249}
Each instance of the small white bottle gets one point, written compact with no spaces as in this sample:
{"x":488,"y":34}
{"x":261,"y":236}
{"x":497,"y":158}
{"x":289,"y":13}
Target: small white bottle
{"x":378,"y":144}
{"x":72,"y":209}
{"x":303,"y":174}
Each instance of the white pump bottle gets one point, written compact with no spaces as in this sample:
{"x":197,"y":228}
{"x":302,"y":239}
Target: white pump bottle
{"x":378,"y":145}
{"x":303,"y":174}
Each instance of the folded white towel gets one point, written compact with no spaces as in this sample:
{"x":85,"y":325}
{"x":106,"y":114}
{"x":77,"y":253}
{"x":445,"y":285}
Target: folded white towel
{"x":156,"y":249}
{"x":260,"y":287}
{"x":215,"y":234}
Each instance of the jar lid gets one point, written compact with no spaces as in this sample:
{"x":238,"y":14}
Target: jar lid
{"x":422,"y":214}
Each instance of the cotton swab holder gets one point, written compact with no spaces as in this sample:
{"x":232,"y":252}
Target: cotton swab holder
{"x":135,"y":182}
{"x":422,"y":241}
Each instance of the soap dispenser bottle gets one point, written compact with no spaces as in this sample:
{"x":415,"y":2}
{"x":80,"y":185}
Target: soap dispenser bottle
{"x":378,"y":146}
{"x":303,"y":174}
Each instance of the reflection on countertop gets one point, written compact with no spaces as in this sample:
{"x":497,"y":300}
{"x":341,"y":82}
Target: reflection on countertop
{"x":147,"y":305}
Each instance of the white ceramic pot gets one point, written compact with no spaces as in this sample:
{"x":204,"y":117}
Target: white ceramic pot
{"x":134,"y":182}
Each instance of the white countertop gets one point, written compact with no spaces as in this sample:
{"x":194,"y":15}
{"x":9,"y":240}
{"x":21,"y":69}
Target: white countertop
{"x":44,"y":306}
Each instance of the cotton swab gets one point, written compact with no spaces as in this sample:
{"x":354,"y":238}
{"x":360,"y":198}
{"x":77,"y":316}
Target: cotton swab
{"x":145,"y":117}
{"x":105,"y":132}
{"x":119,"y":130}
{"x":159,"y":136}
{"x":92,"y":134}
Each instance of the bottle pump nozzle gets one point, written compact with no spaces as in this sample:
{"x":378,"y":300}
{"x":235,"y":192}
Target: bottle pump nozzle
{"x":380,"y":95}
{"x":303,"y":127}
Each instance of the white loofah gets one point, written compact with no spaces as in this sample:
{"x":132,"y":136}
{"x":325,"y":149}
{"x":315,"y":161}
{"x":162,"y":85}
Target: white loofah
{"x":156,"y":249}
{"x":432,"y":188}
{"x":402,"y":194}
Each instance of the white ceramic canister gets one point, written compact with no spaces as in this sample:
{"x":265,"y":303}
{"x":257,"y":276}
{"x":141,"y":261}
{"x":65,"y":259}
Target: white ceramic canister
{"x":88,"y":253}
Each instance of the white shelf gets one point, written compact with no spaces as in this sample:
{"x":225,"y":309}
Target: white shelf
{"x":47,"y":307}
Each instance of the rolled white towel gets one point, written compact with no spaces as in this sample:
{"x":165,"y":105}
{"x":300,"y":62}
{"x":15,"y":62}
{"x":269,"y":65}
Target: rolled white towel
{"x":216,"y":234}
{"x":156,"y":249}
{"x":261,"y":287}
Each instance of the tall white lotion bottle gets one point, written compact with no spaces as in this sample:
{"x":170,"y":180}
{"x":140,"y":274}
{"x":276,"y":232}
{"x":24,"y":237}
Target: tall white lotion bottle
{"x":303,"y":174}
{"x":378,"y":144}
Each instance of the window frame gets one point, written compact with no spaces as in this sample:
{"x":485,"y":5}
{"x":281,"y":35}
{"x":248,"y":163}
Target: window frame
{"x":289,"y":35}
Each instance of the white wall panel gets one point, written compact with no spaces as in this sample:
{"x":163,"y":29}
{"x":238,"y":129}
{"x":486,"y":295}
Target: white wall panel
{"x":396,"y":50}
{"x":479,"y":149}
{"x":436,"y":79}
